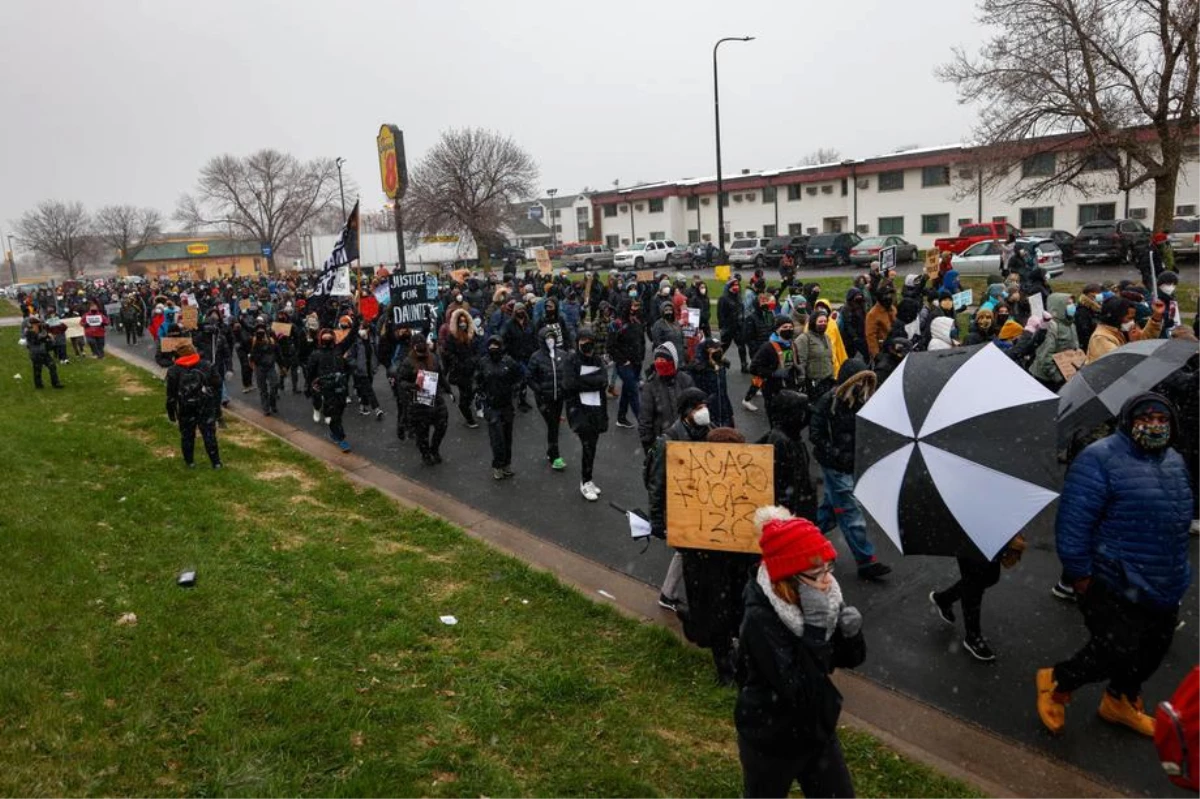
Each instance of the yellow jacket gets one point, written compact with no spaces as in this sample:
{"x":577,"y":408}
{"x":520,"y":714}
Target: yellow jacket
{"x":834,"y":334}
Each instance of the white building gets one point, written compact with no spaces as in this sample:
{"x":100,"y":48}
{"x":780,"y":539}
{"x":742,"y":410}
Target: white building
{"x":568,"y":219}
{"x":918,"y":194}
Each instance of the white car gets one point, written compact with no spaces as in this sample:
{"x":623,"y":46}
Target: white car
{"x":749,"y":251}
{"x":985,"y":257}
{"x":645,"y":253}
{"x":1185,"y":236}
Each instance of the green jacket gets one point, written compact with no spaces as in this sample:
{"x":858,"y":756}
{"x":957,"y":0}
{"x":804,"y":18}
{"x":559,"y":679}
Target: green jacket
{"x":1060,"y":337}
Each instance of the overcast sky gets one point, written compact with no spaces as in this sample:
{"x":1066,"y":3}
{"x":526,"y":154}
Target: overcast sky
{"x":118,"y":101}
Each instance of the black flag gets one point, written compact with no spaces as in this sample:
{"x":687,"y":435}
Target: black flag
{"x":345,"y":250}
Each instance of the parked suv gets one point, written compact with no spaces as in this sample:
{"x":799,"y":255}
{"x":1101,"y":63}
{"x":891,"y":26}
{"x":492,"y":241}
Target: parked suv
{"x":587,"y":257}
{"x":1120,"y":240}
{"x":832,"y":248}
{"x":645,"y":253}
{"x":1064,"y":240}
{"x":1185,"y":237}
{"x":749,"y":251}
{"x":781,"y":244}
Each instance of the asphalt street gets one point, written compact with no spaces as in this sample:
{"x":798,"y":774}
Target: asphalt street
{"x":910,"y":649}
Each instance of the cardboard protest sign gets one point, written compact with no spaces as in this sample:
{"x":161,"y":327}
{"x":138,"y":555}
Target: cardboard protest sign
{"x":645,"y":276}
{"x":543,"y":260}
{"x":189,"y":319}
{"x":413,"y":294}
{"x":722,"y":272}
{"x":172,"y":343}
{"x":713,"y":491}
{"x":281,"y":328}
{"x":1069,"y":362}
{"x":74,"y":327}
{"x":963,"y":299}
{"x":244,"y":304}
{"x":932,"y":258}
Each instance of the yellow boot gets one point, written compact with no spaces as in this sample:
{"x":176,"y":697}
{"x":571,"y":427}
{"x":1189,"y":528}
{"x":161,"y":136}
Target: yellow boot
{"x":1051,"y":705}
{"x":1119,"y":710}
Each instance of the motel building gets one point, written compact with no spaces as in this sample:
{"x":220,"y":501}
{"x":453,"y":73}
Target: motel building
{"x":920,"y":194}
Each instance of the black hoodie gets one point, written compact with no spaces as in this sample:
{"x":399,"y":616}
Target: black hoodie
{"x":832,"y":430}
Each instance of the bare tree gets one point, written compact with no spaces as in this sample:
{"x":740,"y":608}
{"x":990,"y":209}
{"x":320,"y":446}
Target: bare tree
{"x":465,"y":185}
{"x":267,"y":196}
{"x":127,"y":229}
{"x":60,"y":231}
{"x":1117,"y":78}
{"x":821,"y":155}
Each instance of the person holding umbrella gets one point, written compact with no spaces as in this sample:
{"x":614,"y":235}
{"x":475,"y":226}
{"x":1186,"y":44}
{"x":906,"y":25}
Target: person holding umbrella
{"x":976,"y":575}
{"x":1122,"y":537}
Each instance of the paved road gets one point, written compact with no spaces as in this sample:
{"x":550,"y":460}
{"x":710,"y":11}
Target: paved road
{"x":911,"y":650}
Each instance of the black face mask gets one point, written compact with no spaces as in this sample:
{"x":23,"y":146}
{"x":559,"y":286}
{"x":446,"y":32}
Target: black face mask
{"x":494,"y":353}
{"x":587,"y":348}
{"x":786,"y":335}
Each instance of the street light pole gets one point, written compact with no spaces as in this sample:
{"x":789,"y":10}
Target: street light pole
{"x":12,"y":262}
{"x":341,"y":191}
{"x":553,"y":225}
{"x":717,"y":115}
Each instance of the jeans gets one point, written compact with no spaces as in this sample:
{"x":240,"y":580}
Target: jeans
{"x":587,"y":442}
{"x":97,"y":345}
{"x":820,"y":773}
{"x":500,"y":434}
{"x":975,"y":578}
{"x":630,"y":398}
{"x":551,"y":411}
{"x":839,"y":508}
{"x":187,"y":439}
{"x":1128,"y":643}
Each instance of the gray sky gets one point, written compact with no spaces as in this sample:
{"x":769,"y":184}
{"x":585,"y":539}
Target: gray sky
{"x":110,"y":102}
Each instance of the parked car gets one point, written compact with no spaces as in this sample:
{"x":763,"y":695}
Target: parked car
{"x":868,"y":249}
{"x":749,"y":251}
{"x":681,"y":257}
{"x":985,"y":257}
{"x":699,"y":252}
{"x":1120,"y":240}
{"x":779,"y":245}
{"x":831,"y":248}
{"x":587,"y":257}
{"x":1185,"y":237}
{"x":502,"y":253}
{"x":1064,"y":239}
{"x":975,"y":233}
{"x":643,"y":254}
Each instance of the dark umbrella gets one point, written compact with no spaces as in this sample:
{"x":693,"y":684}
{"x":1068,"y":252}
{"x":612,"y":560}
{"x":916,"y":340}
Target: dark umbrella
{"x":1096,"y":392}
{"x":956,"y":448}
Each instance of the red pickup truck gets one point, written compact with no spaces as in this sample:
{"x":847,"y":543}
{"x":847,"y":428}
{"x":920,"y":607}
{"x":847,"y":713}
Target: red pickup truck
{"x":971,"y":234}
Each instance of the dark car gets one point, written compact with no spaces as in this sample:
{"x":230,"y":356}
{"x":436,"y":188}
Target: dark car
{"x":830,"y":248}
{"x":503,"y":253}
{"x":868,"y":249}
{"x":1064,"y":239}
{"x":1121,"y":240}
{"x":777,"y":246}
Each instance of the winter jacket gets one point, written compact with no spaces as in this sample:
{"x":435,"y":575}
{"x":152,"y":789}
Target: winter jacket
{"x":1123,"y":518}
{"x":520,"y":341}
{"x":879,"y":326}
{"x":265,"y":353}
{"x":853,"y":327}
{"x":1106,"y":338}
{"x":556,"y":322}
{"x":729,"y":317}
{"x":94,"y":324}
{"x":814,"y":357}
{"x":663,"y":331}
{"x":626,"y":342}
{"x":757,"y":327}
{"x":327,"y":374}
{"x":794,"y":488}
{"x":206,"y":411}
{"x":1087,"y":315}
{"x":39,"y":344}
{"x":712,"y":381}
{"x":460,"y":355}
{"x":774,"y":366}
{"x":547,"y":374}
{"x":658,"y":397}
{"x":406,"y":376}
{"x":1060,"y":337}
{"x":700,"y":302}
{"x":497,"y":381}
{"x":656,"y":470}
{"x":212,"y":345}
{"x":940,"y":334}
{"x":586,"y":419}
{"x":833,"y":421}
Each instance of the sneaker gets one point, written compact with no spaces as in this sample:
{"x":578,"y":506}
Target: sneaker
{"x":247,"y":389}
{"x":595,"y":488}
{"x":1051,"y":705}
{"x":328,"y":419}
{"x":944,"y":612}
{"x":317,"y":417}
{"x":190,"y":465}
{"x":56,"y":385}
{"x":344,"y":445}
{"x":667,"y":603}
{"x":498,"y":474}
{"x":472,"y":424}
{"x":1063,"y":591}
{"x":508,"y":472}
{"x":977,"y":645}
{"x":750,"y":406}
{"x":363,"y":410}
{"x":558,"y":464}
{"x":479,"y":413}
{"x":218,"y":465}
{"x":379,"y":414}
{"x":1119,"y":710}
{"x":624,"y":423}
{"x":588,"y":492}
{"x":873,"y":570}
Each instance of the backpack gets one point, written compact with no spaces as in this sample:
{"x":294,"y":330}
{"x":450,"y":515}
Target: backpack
{"x":1177,"y":733}
{"x":194,"y":391}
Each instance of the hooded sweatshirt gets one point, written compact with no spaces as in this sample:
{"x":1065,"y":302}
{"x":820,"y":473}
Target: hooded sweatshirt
{"x":1060,"y":337}
{"x":939,"y":332}
{"x":832,"y":431}
{"x":659,"y":396}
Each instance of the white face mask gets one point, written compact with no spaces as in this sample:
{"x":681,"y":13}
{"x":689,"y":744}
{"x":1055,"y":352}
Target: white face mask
{"x":362,"y":334}
{"x":1127,"y":326}
{"x":701,"y":418}
{"x":1168,"y":289}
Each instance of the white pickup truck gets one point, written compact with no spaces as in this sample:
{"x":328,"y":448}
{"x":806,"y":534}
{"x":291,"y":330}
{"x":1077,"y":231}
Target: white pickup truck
{"x":645,"y":253}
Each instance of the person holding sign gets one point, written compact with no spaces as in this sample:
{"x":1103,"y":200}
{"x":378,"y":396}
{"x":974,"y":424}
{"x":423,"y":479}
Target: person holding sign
{"x":423,"y":381}
{"x":587,"y":405}
{"x":95,"y":323}
{"x":1060,"y":337}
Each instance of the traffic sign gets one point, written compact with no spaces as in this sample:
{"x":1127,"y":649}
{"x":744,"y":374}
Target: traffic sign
{"x":266,"y":250}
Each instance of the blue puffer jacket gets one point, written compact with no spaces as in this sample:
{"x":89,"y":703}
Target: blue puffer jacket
{"x":1124,"y":517}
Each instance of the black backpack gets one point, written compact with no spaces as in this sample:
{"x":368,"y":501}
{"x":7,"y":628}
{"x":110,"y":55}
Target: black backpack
{"x":194,"y":391}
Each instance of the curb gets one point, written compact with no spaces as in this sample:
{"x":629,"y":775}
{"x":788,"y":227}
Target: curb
{"x":957,"y":748}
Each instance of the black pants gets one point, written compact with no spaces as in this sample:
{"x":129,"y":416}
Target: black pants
{"x":96,"y":343}
{"x":292,"y":370}
{"x":551,"y":411}
{"x":247,"y":372}
{"x":821,"y":773}
{"x":500,"y":433}
{"x":333,"y":406}
{"x":366,"y":392}
{"x":131,"y":333}
{"x":466,"y":401}
{"x":587,"y":442}
{"x":429,"y":428}
{"x":975,"y":578}
{"x":1128,"y":643}
{"x":268,"y":388}
{"x":60,"y":349}
{"x":727,"y":341}
{"x":187,"y":439}
{"x":40,"y":362}
{"x":401,"y":411}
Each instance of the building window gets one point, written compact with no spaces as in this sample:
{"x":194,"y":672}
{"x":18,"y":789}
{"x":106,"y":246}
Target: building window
{"x":725,"y":199}
{"x":610,"y":210}
{"x":795,"y":228}
{"x":891,"y":226}
{"x":812,"y":191}
{"x":769,"y":230}
{"x":935,"y":176}
{"x":769,"y":194}
{"x":693,"y":236}
{"x":612,"y":241}
{"x":827,"y":188}
{"x":693,"y":203}
{"x":1137,"y":213}
{"x":1185,"y":210}
{"x":794,"y":192}
{"x":657,"y":235}
{"x":935,"y":223}
{"x":656,"y":205}
{"x":558,"y":213}
{"x":751,"y":234}
{"x":737,"y":198}
{"x":1037,"y":217}
{"x":739,"y":235}
{"x":845,"y":187}
{"x":1041,"y":165}
{"x":891,"y":181}
{"x":964,"y":221}
{"x":1093,"y":212}
{"x":1096,"y":162}
{"x":558,"y":228}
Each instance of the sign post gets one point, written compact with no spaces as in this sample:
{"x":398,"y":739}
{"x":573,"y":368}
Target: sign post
{"x":713,"y":491}
{"x":393,"y":173}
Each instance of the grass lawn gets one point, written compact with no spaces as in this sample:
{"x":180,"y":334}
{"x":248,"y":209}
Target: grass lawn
{"x":310,"y":659}
{"x":8,"y":308}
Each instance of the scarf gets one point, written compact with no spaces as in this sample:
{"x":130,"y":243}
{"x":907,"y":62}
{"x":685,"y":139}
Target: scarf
{"x":790,"y":614}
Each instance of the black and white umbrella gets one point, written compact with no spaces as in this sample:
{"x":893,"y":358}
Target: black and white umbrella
{"x":1096,"y":392}
{"x":957,"y":446}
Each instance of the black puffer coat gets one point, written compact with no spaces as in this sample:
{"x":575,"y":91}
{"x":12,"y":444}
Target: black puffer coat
{"x":548,"y":373}
{"x":586,"y":419}
{"x":794,"y":487}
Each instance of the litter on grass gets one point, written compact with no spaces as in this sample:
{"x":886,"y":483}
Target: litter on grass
{"x":604,"y":593}
{"x":127,"y":620}
{"x":449,"y":621}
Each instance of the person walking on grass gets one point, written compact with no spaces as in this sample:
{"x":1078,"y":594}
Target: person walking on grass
{"x":193,"y":398}
{"x":40,"y":344}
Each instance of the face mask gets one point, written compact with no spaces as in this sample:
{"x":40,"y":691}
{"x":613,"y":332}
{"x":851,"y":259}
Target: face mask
{"x":1152,"y":435}
{"x":343,"y":327}
{"x":494,"y":353}
{"x":1127,"y":326}
{"x":701,"y":418}
{"x":462,"y":325}
{"x":1070,"y":311}
{"x":787,"y":333}
{"x":458,"y":298}
{"x":669,"y":317}
{"x":734,"y":289}
{"x":821,"y":326}
{"x":587,"y":347}
{"x":703,"y":291}
{"x":1168,"y":289}
{"x":664,"y":368}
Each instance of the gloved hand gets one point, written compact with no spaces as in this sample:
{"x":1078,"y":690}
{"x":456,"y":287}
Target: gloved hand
{"x":850,"y":621}
{"x":1033,"y":325}
{"x":818,"y":609}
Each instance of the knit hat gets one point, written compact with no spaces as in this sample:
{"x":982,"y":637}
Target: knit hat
{"x":689,"y":400}
{"x":1011,"y":330}
{"x":790,"y":545}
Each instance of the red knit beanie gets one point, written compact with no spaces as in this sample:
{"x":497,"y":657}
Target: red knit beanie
{"x":791,"y":546}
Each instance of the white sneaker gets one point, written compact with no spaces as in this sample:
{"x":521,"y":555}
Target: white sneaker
{"x":594,"y":487}
{"x":317,"y":416}
{"x":328,"y":419}
{"x":750,"y":406}
{"x":589,"y":492}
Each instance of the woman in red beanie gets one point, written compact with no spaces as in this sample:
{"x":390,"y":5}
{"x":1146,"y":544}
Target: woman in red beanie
{"x":795,"y":631}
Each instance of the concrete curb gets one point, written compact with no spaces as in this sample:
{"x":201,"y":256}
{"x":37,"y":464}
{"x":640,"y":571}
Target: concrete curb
{"x":959,"y":749}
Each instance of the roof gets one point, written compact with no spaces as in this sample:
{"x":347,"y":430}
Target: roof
{"x":178,"y":250}
{"x":523,"y":226}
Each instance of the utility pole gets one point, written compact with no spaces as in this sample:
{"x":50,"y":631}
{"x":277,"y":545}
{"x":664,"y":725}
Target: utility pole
{"x":341,"y":191}
{"x":553,"y":225}
{"x":717,"y":115}
{"x":12,"y":263}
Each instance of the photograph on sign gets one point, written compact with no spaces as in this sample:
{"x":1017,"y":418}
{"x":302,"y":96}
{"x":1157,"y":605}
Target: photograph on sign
{"x":713,"y":491}
{"x":887,"y":258}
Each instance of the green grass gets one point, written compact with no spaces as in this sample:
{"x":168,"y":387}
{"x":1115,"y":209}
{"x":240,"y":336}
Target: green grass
{"x":8,"y":308}
{"x":309,"y":659}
